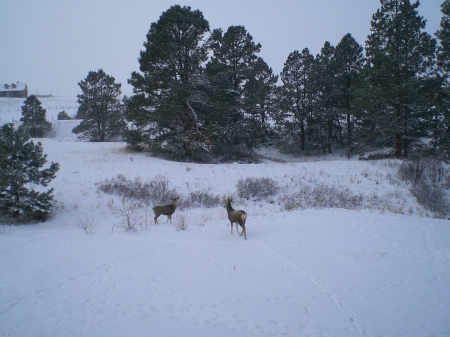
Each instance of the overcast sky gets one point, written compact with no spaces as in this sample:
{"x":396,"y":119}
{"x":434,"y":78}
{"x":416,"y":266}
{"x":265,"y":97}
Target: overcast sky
{"x":52,"y":44}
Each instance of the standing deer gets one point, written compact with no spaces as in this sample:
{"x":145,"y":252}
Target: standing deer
{"x":166,"y":210}
{"x":238,"y":217}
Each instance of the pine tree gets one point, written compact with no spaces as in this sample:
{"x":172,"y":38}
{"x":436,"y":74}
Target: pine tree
{"x":325,"y":109}
{"x":100,"y":107}
{"x":297,"y":96}
{"x":443,"y":35}
{"x":441,"y":118}
{"x":166,"y":110}
{"x":259,"y":103}
{"x":349,"y":64}
{"x":400,"y":54}
{"x":21,"y":163}
{"x":230,"y":68}
{"x":34,"y":117}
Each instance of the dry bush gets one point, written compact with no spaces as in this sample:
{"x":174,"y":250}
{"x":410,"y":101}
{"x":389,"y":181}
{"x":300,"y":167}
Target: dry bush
{"x":155,"y":191}
{"x":432,"y":198}
{"x":429,"y":181}
{"x":256,"y":188}
{"x":129,"y":213}
{"x":201,"y":198}
{"x":87,"y":224}
{"x":6,"y":231}
{"x":181,"y":221}
{"x":321,"y":196}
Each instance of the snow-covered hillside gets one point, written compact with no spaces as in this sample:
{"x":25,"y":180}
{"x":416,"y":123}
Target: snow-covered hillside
{"x":378,"y":268}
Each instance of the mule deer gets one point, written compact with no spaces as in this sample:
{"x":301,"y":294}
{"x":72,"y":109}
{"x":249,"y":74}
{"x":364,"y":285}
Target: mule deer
{"x":238,"y":217}
{"x":166,"y":210}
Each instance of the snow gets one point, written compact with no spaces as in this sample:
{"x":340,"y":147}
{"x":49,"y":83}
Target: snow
{"x":378,"y":270}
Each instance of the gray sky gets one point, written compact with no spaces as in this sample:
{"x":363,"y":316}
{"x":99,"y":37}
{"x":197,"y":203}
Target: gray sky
{"x":53,"y":44}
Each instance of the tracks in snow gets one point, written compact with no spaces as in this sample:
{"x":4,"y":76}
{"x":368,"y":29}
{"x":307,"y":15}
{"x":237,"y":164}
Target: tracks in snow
{"x":316,"y":282}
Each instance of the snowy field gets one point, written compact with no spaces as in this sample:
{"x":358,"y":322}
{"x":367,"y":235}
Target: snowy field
{"x":382,"y":269}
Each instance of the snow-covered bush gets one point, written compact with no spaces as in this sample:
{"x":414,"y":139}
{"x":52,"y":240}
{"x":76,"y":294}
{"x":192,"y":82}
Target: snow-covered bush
{"x":256,"y":188}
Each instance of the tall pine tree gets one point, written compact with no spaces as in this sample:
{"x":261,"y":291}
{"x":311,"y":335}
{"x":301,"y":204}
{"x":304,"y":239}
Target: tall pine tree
{"x":259,"y":103}
{"x":166,"y":110}
{"x":349,"y":64}
{"x":400,"y":54}
{"x":441,"y":116}
{"x":325,"y":109}
{"x":297,"y":95}
{"x":100,"y":108}
{"x":232,"y":64}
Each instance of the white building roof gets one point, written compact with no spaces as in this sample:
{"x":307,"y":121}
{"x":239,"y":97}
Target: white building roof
{"x":13,"y":86}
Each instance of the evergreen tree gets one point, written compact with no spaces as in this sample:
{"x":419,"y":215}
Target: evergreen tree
{"x":399,"y":55}
{"x":166,"y":110}
{"x":259,"y":103}
{"x":349,"y":64}
{"x":34,"y":117}
{"x":100,"y":107}
{"x":441,"y":99}
{"x":21,"y":163}
{"x":443,"y":35}
{"x":230,"y":68}
{"x":297,"y":96}
{"x":325,"y":109}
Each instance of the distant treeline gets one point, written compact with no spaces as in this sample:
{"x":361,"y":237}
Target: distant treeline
{"x":201,"y":93}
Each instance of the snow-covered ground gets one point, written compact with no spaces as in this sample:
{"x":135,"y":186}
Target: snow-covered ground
{"x":382,"y":269}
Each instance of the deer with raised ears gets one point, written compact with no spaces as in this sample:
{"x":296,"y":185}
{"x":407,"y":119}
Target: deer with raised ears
{"x":166,"y":210}
{"x":237,"y":217}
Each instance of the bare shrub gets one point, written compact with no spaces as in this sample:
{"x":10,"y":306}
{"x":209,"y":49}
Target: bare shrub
{"x":331,"y":196}
{"x":87,"y":224}
{"x":301,"y":199}
{"x":257,"y":188}
{"x":6,"y":231}
{"x":432,"y":198}
{"x":411,"y":170}
{"x":429,"y":180}
{"x":201,"y":198}
{"x":129,"y":213}
{"x":155,"y":191}
{"x":181,"y":222}
{"x":321,"y":196}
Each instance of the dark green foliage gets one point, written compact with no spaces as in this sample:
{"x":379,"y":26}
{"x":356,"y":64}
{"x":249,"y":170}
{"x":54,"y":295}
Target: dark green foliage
{"x":62,"y":115}
{"x":259,"y":104}
{"x":21,"y":163}
{"x":443,"y":35}
{"x":325,"y":109}
{"x":400,"y":56}
{"x":100,"y":108}
{"x":238,"y":77}
{"x":349,"y":63}
{"x":297,"y":97}
{"x":166,"y":111}
{"x":34,"y":117}
{"x":440,"y":121}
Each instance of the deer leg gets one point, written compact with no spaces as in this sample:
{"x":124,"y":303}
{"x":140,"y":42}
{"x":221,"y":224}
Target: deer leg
{"x":156,"y":219}
{"x":231,"y":226}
